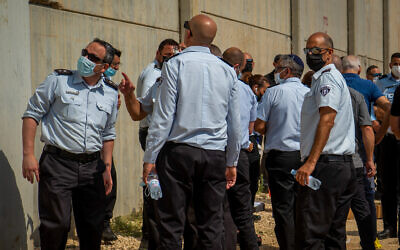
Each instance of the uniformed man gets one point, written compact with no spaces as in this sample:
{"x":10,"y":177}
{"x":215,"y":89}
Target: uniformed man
{"x":326,"y":145}
{"x":279,"y":119}
{"x":111,"y":198}
{"x":388,"y":158}
{"x":195,"y":137}
{"x":78,"y":110}
{"x":373,"y":73}
{"x":239,"y":196}
{"x":395,"y":114}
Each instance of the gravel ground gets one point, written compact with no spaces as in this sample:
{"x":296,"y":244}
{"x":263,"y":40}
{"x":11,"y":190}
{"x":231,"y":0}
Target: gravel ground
{"x":264,"y":227}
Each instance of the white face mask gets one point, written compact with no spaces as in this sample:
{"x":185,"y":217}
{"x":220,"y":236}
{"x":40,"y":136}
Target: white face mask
{"x":396,"y":71}
{"x":375,"y":79}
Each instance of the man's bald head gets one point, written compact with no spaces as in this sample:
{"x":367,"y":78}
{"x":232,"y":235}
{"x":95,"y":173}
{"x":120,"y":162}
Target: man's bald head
{"x":203,"y":30}
{"x":322,"y":39}
{"x":233,"y":56}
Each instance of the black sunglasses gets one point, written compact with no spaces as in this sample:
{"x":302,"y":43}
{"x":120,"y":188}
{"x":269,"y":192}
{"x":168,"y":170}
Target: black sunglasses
{"x":376,"y":74}
{"x":186,"y":26}
{"x":90,"y":56}
{"x":314,"y":50}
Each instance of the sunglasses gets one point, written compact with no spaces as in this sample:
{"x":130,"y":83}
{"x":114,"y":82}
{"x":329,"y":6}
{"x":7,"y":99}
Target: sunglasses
{"x":314,"y":50}
{"x":186,"y":26}
{"x":90,"y":56}
{"x":376,"y":74}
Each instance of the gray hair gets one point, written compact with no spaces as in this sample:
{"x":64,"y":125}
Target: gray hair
{"x":288,"y":62}
{"x":351,"y":62}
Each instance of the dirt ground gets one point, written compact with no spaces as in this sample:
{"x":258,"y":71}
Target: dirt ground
{"x":264,"y":227}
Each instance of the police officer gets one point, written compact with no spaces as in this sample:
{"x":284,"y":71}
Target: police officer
{"x":239,"y":196}
{"x":111,"y":198}
{"x":388,"y":158}
{"x":282,"y":142}
{"x":78,"y":110}
{"x":395,"y":114}
{"x":326,"y":145}
{"x":195,"y":137}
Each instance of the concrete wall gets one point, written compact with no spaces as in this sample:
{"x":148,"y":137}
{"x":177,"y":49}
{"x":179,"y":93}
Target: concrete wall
{"x":18,"y":197}
{"x":36,"y":39}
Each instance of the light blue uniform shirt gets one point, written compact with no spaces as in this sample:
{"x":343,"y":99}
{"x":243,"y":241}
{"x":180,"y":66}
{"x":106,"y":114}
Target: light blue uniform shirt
{"x":388,"y":85}
{"x":75,"y":117}
{"x":328,"y":89}
{"x":147,"y":101}
{"x":147,"y":79}
{"x":248,"y":111}
{"x":280,"y":108}
{"x":198,"y":105}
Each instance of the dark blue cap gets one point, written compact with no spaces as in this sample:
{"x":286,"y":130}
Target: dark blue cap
{"x":297,"y":60}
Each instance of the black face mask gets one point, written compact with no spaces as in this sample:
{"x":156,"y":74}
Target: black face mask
{"x":315,"y":62}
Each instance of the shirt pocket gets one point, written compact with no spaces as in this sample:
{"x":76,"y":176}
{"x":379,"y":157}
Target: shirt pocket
{"x":102,"y":114}
{"x":71,"y":108}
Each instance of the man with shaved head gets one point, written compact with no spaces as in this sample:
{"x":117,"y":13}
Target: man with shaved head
{"x":193,"y":142}
{"x":239,"y":196}
{"x":327,"y":143}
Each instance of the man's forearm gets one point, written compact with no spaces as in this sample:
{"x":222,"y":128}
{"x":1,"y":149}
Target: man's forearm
{"x":107,"y":153}
{"x":395,"y":125}
{"x":325,"y":125}
{"x":28,"y":135}
{"x":369,"y":141}
{"x":134,"y":107}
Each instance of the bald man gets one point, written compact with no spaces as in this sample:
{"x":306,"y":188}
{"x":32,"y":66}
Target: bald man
{"x":239,"y":196}
{"x":194,"y":138}
{"x":327,"y":143}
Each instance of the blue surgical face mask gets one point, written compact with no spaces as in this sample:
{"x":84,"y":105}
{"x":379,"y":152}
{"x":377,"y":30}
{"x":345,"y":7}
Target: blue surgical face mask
{"x":85,"y":67}
{"x":240,"y":75}
{"x":277,"y":78}
{"x":110,"y":72}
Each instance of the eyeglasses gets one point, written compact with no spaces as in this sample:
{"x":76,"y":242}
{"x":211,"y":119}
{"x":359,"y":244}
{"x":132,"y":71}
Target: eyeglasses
{"x":314,"y":50}
{"x":187,"y":26}
{"x":91,"y":57}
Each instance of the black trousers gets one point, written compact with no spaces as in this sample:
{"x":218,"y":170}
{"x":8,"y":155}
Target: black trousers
{"x":111,"y":198}
{"x":362,"y":212}
{"x":254,"y":168}
{"x":230,"y":240}
{"x":283,"y":193}
{"x":62,"y":182}
{"x":239,"y":197}
{"x":189,"y":174}
{"x":390,"y":176}
{"x":321,"y":215}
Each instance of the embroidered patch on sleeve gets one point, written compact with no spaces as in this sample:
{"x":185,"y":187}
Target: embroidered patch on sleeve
{"x":325,"y":90}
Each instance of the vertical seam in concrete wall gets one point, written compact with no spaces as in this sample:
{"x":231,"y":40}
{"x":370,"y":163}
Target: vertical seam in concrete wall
{"x":385,"y":35}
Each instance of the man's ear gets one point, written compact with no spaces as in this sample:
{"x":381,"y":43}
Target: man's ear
{"x":105,"y":67}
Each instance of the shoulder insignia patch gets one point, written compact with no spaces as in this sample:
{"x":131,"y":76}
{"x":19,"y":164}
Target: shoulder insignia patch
{"x":222,"y":59}
{"x":63,"y":71}
{"x":325,"y":71}
{"x":325,"y":90}
{"x":110,"y":83}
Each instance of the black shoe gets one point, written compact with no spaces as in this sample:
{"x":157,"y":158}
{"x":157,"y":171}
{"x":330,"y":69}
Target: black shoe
{"x":108,"y":234}
{"x":386,"y":233}
{"x":256,"y":217}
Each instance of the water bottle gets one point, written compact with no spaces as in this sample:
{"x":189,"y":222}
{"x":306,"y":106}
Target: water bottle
{"x":154,"y":187}
{"x":313,"y":183}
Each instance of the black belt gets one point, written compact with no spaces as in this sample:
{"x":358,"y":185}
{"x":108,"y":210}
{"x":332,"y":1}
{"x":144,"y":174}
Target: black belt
{"x":330,"y":157}
{"x":82,"y":157}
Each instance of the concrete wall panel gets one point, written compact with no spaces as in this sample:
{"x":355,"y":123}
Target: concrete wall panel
{"x":261,"y":44}
{"x":157,"y":13}
{"x":268,"y":14}
{"x":392,"y":30}
{"x":57,"y":45}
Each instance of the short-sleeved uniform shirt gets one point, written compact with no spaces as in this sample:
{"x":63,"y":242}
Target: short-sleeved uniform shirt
{"x":248,"y":111}
{"x":75,"y":117}
{"x":328,"y":89}
{"x":388,"y":85}
{"x":280,"y":108}
{"x":361,"y":118}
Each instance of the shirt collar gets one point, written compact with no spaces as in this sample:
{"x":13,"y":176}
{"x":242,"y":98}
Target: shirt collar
{"x":291,"y":79}
{"x":197,"y":49}
{"x":156,"y":64}
{"x":78,"y":79}
{"x":319,"y":72}
{"x":390,"y":77}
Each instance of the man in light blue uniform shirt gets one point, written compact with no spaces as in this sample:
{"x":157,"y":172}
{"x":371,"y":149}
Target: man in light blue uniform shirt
{"x":388,"y":157}
{"x":195,"y":138}
{"x":78,"y":110}
{"x":327,"y":144}
{"x":149,"y":76}
{"x":239,"y":196}
{"x":279,"y":119}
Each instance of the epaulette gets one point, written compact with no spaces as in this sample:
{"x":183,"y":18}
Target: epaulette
{"x":222,"y":59}
{"x":383,"y":76}
{"x":63,"y":72}
{"x":325,"y":71}
{"x":110,"y":83}
{"x":177,"y":54}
